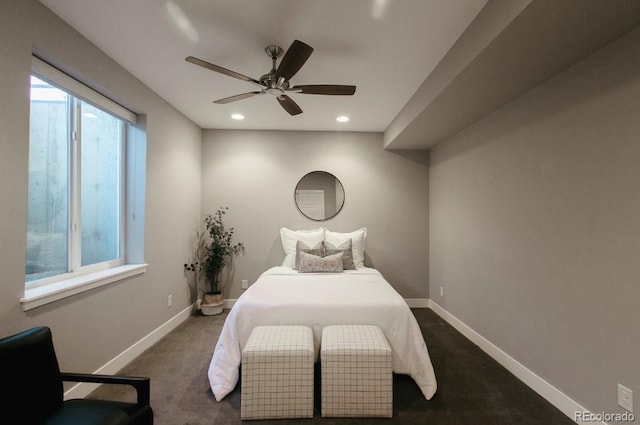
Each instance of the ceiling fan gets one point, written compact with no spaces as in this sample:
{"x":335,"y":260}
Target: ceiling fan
{"x":277,"y":81}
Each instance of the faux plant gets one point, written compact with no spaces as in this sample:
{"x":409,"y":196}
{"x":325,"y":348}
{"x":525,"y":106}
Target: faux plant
{"x":214,"y":254}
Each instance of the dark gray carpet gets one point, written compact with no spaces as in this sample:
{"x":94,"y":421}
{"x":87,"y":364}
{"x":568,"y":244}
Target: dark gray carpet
{"x":472,"y":387}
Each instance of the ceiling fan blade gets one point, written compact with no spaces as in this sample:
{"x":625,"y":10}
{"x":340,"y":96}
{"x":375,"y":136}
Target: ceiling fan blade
{"x":289,"y":105}
{"x":237,"y":97}
{"x":222,"y":70}
{"x":292,"y":61}
{"x":328,"y":89}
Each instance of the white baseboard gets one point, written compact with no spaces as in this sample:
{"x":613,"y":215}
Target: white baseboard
{"x":554,"y":396}
{"x":417,"y":302}
{"x":84,"y":389}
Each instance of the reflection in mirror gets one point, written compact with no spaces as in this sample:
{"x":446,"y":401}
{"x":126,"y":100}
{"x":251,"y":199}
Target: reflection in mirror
{"x":319,"y":195}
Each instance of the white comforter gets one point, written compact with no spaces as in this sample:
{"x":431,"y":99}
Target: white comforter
{"x":282,"y":296}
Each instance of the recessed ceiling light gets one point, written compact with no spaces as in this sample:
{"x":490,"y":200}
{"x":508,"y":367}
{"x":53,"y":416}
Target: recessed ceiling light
{"x":342,"y":118}
{"x":237,"y":117}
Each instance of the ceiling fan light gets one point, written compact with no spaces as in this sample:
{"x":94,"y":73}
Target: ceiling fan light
{"x":342,"y":118}
{"x":237,"y":117}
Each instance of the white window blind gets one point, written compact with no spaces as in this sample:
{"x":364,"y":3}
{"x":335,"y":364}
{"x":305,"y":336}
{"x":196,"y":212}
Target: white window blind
{"x":78,"y":89}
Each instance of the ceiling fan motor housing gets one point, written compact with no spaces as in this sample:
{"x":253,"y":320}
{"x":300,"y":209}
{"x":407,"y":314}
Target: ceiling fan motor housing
{"x":274,"y":85}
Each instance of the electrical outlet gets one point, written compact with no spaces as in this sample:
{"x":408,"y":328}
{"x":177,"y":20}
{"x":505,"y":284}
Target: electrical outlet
{"x":169,"y":300}
{"x":625,"y":398}
{"x":245,"y":283}
{"x":442,"y":291}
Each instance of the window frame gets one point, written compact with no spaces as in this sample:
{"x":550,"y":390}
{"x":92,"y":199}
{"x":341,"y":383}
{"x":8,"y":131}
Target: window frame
{"x":75,"y":243}
{"x":81,"y":278}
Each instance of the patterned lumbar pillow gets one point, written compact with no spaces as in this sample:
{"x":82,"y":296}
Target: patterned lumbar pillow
{"x":301,"y":247}
{"x":347,"y":253}
{"x":310,"y":263}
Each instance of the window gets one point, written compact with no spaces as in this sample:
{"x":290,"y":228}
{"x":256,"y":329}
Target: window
{"x":76,"y":191}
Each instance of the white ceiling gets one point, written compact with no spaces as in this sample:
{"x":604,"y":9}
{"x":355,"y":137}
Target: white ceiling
{"x":385,"y":47}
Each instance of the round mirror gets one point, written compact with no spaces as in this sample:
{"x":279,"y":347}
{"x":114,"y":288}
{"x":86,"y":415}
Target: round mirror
{"x":319,"y":195}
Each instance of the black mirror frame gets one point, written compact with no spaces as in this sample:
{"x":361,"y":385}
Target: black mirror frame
{"x":295,"y":201}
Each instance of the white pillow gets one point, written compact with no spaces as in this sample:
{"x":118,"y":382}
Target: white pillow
{"x":291,"y":237}
{"x":357,"y":237}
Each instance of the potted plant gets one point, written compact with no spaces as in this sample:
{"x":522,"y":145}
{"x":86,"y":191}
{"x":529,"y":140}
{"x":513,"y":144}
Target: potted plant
{"x":211,"y":256}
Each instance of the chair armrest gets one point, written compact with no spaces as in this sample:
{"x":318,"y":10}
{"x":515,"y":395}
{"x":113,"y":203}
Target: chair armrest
{"x":140,"y":383}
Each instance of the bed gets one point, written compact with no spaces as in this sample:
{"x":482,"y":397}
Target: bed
{"x":283,"y":296}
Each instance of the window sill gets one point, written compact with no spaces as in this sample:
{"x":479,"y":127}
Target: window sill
{"x":42,"y":295}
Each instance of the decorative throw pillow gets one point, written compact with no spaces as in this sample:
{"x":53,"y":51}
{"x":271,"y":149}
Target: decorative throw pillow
{"x":290,"y":237}
{"x":347,"y":253}
{"x":358,"y":238}
{"x":310,"y":263}
{"x":303,"y":247}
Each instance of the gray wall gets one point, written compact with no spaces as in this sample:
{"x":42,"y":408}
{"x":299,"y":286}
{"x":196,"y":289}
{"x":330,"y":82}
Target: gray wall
{"x":535,"y":227}
{"x":255,"y":173}
{"x":105,"y":321}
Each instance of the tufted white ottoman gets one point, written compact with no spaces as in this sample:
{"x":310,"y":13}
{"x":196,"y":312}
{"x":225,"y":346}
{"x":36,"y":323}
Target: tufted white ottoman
{"x":277,"y":373}
{"x":357,"y":376}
